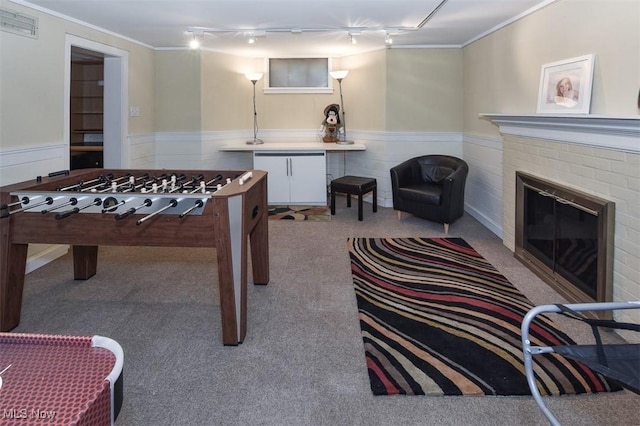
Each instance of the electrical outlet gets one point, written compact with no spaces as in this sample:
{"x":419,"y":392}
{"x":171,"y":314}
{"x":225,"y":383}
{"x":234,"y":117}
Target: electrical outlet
{"x":134,"y":111}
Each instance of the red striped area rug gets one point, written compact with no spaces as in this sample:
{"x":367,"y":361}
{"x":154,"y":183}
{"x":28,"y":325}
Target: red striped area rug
{"x":439,"y":319}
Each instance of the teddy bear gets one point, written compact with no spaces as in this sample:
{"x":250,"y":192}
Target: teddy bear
{"x":331,"y":123}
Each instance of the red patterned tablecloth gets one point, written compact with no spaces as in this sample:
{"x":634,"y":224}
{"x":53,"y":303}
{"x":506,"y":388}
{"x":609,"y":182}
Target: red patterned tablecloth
{"x":59,"y":380}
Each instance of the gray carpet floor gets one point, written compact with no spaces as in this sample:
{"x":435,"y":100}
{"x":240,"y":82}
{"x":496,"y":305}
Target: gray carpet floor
{"x":302,"y":362}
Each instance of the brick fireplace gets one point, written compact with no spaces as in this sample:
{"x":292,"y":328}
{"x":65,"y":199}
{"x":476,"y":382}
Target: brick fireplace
{"x":597,"y":155}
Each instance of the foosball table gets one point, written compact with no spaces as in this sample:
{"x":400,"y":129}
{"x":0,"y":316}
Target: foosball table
{"x":85,"y":209}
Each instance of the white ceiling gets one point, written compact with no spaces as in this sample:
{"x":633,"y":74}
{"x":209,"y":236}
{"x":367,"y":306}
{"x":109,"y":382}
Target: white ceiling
{"x":324,"y":24}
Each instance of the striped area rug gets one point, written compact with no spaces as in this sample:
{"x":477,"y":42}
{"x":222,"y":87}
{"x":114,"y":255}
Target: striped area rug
{"x":438,"y":319}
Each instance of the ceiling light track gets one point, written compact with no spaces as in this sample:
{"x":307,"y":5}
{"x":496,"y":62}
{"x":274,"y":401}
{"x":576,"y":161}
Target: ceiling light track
{"x":262,"y":32}
{"x":352,"y":32}
{"x":431,"y":15}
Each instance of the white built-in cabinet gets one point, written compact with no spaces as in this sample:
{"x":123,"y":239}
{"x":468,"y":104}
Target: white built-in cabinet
{"x":295,"y":177}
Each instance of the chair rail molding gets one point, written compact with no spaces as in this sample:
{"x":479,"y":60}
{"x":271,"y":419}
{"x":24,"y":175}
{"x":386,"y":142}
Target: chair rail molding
{"x":620,"y":133}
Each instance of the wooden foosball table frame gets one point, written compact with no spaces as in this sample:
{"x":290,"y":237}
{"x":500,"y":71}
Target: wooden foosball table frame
{"x":232,"y":216}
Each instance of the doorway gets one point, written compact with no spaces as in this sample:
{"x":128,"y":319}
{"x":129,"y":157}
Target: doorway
{"x":86,"y":105}
{"x":96,"y":125}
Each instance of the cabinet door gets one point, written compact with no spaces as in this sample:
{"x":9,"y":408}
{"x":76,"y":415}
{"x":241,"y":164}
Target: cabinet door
{"x":308,"y":179}
{"x":278,"y":177}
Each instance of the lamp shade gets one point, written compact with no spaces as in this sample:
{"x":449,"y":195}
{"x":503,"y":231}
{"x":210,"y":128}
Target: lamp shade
{"x":339,"y":75}
{"x":253,"y":76}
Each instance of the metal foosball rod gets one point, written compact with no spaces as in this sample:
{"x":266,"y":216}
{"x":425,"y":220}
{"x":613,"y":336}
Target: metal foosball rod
{"x":149,"y":181}
{"x":203,"y":185}
{"x":78,"y":186}
{"x":181,"y":185}
{"x":117,"y":187}
{"x":215,"y":179}
{"x":201,"y":188}
{"x":163,"y":187}
{"x":132,"y":210}
{"x":172,"y":203}
{"x":186,"y":186}
{"x":23,"y":200}
{"x":132,"y":183}
{"x":108,"y":183}
{"x":155,"y":186}
{"x":142,"y":187}
{"x":72,"y":202}
{"x":198,"y":204}
{"x":67,"y":213}
{"x":7,"y":213}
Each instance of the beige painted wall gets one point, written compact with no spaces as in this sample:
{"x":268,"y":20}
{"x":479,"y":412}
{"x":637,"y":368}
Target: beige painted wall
{"x":212,"y":87}
{"x":226,"y":92}
{"x":142,"y":89}
{"x":502,"y":70}
{"x":178,"y":90}
{"x":364,"y":91}
{"x":424,"y":90}
{"x":32,"y":82}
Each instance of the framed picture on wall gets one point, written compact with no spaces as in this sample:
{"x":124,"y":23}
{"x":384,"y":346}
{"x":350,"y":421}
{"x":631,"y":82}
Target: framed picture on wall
{"x":565,"y":86}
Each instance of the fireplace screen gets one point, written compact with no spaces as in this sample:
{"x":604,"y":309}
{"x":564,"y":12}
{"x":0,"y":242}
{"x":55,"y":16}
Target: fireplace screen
{"x":566,"y":237}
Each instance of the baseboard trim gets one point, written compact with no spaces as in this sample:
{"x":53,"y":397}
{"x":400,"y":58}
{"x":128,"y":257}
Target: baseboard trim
{"x":483,"y":219}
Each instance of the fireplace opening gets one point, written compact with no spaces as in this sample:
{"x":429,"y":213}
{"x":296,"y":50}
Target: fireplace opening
{"x":565,"y":236}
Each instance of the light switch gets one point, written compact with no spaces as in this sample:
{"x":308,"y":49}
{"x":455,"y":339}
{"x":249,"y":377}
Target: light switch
{"x":134,"y":111}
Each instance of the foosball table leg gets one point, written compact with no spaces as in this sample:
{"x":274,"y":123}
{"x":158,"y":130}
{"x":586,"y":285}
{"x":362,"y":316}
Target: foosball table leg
{"x":231,"y":251}
{"x":13,"y":262}
{"x":85,"y":262}
{"x":259,"y":238}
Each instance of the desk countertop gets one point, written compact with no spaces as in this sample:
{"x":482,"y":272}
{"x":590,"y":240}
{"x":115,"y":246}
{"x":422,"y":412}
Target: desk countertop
{"x":294,"y":146}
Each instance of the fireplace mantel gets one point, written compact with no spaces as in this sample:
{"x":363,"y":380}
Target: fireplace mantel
{"x":620,"y":133}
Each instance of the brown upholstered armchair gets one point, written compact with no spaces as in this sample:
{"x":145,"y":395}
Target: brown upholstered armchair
{"x":430,"y":187}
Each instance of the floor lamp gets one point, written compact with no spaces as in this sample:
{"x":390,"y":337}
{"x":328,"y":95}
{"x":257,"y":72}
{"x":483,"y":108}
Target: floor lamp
{"x":340,"y":75}
{"x":254,"y":77}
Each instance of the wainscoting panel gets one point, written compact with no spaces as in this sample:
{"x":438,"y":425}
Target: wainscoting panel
{"x":24,"y":163}
{"x":27,"y":163}
{"x":200,"y":150}
{"x":142,"y":151}
{"x":483,"y":194}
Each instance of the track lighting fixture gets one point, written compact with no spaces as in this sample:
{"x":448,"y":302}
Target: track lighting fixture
{"x":252,"y":36}
{"x":353,"y":36}
{"x":194,"y":43}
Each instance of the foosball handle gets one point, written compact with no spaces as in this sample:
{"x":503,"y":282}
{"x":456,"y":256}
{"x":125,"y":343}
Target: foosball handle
{"x":53,"y":174}
{"x":62,"y":215}
{"x":122,"y":215}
